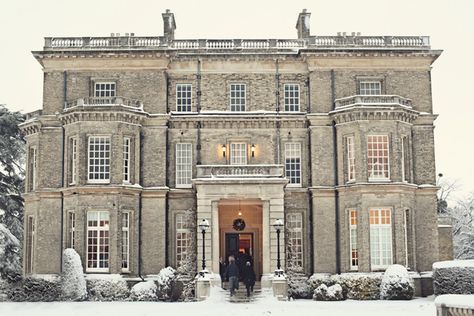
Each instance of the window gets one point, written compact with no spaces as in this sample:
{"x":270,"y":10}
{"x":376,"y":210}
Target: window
{"x":72,"y":160}
{"x":184,"y":97}
{"x":104,"y":89}
{"x":293,"y":163}
{"x":125,"y":241}
{"x":370,"y":88}
{"x":98,"y":241}
{"x":350,"y":158}
{"x":292,"y":97}
{"x":408,"y":233}
{"x":238,"y":153}
{"x":183,"y":238}
{"x":405,"y":160}
{"x":71,"y":229}
{"x":237,"y":97}
{"x":294,"y":224}
{"x":377,"y":157}
{"x":184,"y":165}
{"x":32,"y":162}
{"x":99,"y":159}
{"x":380,"y":238}
{"x":30,"y":243}
{"x":126,"y":159}
{"x":353,"y":239}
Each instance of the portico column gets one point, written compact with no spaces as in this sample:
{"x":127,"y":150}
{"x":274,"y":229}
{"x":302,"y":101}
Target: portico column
{"x":215,"y":236}
{"x":266,"y":237}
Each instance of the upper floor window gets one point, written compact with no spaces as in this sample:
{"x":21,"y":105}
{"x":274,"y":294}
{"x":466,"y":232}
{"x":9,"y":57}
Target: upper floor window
{"x":292,"y":97}
{"x":373,"y":87}
{"x":126,"y":159}
{"x":104,"y":89}
{"x":184,"y":165}
{"x":405,"y":160}
{"x":350,"y":158}
{"x":378,"y":157}
{"x":380,"y":238}
{"x":99,"y":159}
{"x":293,"y":163}
{"x":32,"y":164}
{"x":184,"y":97}
{"x":237,"y":97}
{"x":72,"y":160}
{"x":238,"y":153}
{"x":98,"y":241}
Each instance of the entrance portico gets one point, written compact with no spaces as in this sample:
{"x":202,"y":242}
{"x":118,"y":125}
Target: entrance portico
{"x":261,"y":198}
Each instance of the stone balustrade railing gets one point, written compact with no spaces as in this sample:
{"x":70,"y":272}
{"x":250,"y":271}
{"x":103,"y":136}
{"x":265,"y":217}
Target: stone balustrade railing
{"x":313,"y":42}
{"x":240,"y":171}
{"x":373,"y":100}
{"x":105,"y":101}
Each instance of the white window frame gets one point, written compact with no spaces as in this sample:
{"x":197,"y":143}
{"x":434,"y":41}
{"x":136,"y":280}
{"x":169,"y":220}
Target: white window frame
{"x":184,"y":165}
{"x":127,"y":142}
{"x":293,"y":164}
{"x":381,"y":245}
{"x":125,"y":254}
{"x":370,"y":87}
{"x":184,"y":103}
{"x":105,"y":89}
{"x":73,"y":141}
{"x":238,"y":153}
{"x":30,"y":244}
{"x":238,"y":97}
{"x":182,"y":240}
{"x":71,"y":229}
{"x":292,"y":102}
{"x":350,"y":147}
{"x":92,"y":155}
{"x":102,"y":216}
{"x":376,"y":162}
{"x":294,"y":224}
{"x":353,"y":250}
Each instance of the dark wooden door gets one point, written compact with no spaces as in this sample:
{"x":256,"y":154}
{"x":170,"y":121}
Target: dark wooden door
{"x":231,"y":245}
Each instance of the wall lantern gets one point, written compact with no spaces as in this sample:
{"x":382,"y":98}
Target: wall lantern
{"x":223,"y":150}
{"x":252,"y":150}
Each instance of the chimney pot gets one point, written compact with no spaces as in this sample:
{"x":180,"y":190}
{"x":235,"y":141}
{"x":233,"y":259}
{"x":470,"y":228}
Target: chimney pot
{"x":303,"y":24}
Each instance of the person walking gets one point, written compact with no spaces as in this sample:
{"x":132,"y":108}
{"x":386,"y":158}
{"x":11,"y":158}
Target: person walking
{"x":232,"y":273}
{"x":222,"y":270}
{"x":249,"y":277}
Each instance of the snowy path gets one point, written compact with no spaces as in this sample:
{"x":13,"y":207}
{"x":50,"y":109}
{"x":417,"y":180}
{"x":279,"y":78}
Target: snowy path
{"x":216,"y":306}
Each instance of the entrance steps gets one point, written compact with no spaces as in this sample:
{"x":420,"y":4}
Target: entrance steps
{"x":240,"y":295}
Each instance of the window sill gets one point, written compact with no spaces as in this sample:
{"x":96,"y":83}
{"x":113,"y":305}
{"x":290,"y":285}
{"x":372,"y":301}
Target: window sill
{"x":294,"y":185}
{"x":380,"y":180}
{"x":98,"y":182}
{"x":190,"y":186}
{"x":101,"y":271}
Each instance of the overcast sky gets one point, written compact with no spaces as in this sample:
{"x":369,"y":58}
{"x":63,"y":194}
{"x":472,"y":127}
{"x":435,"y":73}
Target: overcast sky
{"x":24,"y":23}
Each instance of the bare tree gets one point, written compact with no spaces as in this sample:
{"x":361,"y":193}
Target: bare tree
{"x":463,"y":228}
{"x":447,"y":188}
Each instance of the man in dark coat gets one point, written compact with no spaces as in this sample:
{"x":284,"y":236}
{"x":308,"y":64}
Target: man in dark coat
{"x":232,"y":273}
{"x":249,"y":277}
{"x":222,"y":270}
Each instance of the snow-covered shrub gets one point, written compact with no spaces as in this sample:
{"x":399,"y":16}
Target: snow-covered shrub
{"x":453,"y":277}
{"x":10,"y":254}
{"x":4,"y":286}
{"x":188,"y":288}
{"x":107,"y":288}
{"x":34,"y":289}
{"x":355,"y":286}
{"x":318,"y":279}
{"x":298,"y":286}
{"x":396,"y":284}
{"x":143,"y":291}
{"x":168,"y":288}
{"x":332,"y":293}
{"x":73,"y":283}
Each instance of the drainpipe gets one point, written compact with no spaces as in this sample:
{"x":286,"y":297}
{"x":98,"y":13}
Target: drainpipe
{"x":336,"y":180}
{"x":310,"y":183}
{"x":198,"y":105}
{"x":277,"y":108}
{"x":167,"y":208}
{"x":140,"y":211}
{"x":63,"y":136}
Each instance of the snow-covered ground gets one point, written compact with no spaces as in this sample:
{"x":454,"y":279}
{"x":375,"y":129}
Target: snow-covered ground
{"x":218,"y":305}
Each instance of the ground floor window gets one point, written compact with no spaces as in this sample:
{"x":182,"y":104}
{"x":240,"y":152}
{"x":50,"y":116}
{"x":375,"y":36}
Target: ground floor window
{"x":294,"y":225}
{"x":353,"y":239}
{"x":380,"y":238}
{"x":72,"y":229}
{"x":125,"y":241}
{"x":30,"y":238}
{"x":183,"y":238}
{"x":98,"y":241}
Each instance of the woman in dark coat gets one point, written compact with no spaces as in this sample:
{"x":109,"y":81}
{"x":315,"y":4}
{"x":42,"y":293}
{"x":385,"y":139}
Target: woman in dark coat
{"x":249,"y":277}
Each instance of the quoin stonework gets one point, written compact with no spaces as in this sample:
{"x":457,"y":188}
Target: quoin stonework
{"x":331,"y":134}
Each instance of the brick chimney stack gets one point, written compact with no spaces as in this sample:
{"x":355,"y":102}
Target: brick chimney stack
{"x":303,"y":25}
{"x":169,"y":25}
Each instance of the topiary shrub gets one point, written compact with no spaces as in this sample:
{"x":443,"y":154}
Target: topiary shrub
{"x":35,"y":289}
{"x":73,"y":283}
{"x":318,"y":279}
{"x":298,"y":287}
{"x":144,"y":291}
{"x":332,"y":293}
{"x":355,"y":286}
{"x":396,"y":284}
{"x":168,"y":287}
{"x":453,"y":277}
{"x":107,"y":288}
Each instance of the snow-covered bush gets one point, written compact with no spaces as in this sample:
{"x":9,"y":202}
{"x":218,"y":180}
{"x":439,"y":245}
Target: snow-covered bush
{"x":10,"y":253}
{"x":107,"y":288}
{"x":169,"y":289}
{"x":298,"y":286}
{"x":73,"y":283}
{"x":4,"y":286}
{"x":33,"y":289}
{"x":318,"y":279}
{"x":332,"y":293}
{"x":396,"y":284}
{"x":453,"y":277}
{"x":188,"y":288}
{"x":355,"y":286}
{"x":143,"y":291}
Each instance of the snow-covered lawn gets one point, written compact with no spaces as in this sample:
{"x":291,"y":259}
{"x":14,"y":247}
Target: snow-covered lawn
{"x":218,"y":307}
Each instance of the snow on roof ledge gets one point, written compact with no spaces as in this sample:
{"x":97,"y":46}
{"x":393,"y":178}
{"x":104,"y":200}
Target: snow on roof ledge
{"x":456,"y":300}
{"x":454,"y":264}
